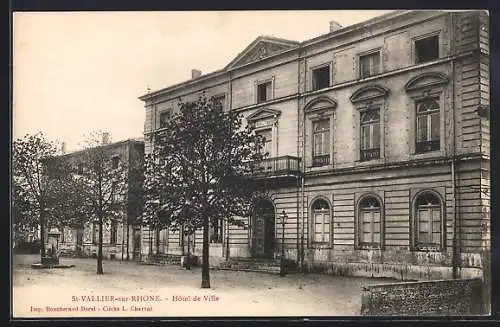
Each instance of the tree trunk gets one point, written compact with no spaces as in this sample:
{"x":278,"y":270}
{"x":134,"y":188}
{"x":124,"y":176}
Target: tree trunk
{"x":205,"y":272}
{"x":99,"y":251}
{"x":42,"y":234}
{"x":128,"y":238}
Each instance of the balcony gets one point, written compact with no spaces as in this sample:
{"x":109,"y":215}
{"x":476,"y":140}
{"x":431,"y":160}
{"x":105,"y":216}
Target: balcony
{"x":319,"y":161}
{"x":278,"y":167}
{"x":370,"y":154}
{"x":427,"y":146}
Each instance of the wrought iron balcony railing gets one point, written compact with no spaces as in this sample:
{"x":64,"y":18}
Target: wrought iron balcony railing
{"x":370,"y":154}
{"x":426,"y":146}
{"x":322,"y":160}
{"x":279,"y":166}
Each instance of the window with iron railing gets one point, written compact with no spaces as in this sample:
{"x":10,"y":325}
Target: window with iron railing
{"x":370,"y":135}
{"x":428,"y":126}
{"x":321,"y":143}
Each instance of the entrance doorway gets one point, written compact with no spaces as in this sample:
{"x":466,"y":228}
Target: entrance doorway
{"x":263,"y":231}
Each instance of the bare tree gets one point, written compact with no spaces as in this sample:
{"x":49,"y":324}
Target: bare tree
{"x":199,"y":172}
{"x":103,"y":187}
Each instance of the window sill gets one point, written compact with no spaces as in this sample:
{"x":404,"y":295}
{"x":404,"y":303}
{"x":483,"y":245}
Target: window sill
{"x":370,"y":247}
{"x":319,"y":246}
{"x":428,"y":249}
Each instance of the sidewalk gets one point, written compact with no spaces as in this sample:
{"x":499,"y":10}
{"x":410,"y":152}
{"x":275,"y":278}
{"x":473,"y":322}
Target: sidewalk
{"x":130,"y":289}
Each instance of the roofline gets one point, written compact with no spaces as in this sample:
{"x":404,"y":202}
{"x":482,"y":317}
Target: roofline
{"x":300,"y":46}
{"x":109,"y":145}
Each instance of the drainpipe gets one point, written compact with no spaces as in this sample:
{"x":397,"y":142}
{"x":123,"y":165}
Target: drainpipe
{"x":303,"y":164}
{"x":299,"y":216}
{"x":455,"y":241}
{"x":230,"y":107}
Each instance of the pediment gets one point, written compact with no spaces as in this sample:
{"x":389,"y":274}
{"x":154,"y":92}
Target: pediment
{"x":260,"y":48}
{"x":426,"y":80}
{"x":320,"y":103}
{"x":369,"y":93}
{"x":264,"y":113}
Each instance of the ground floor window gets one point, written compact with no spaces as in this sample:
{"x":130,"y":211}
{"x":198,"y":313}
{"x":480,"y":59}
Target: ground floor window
{"x":428,"y":220}
{"x":369,"y":222}
{"x":321,"y":222}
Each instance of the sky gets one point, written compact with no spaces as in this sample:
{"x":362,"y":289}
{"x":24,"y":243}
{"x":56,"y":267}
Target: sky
{"x":78,"y":72}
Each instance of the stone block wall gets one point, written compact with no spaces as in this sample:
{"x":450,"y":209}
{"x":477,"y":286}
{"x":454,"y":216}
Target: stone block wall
{"x":455,"y":297}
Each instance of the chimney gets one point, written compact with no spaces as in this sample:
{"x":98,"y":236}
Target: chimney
{"x":334,"y":26}
{"x":195,"y":73}
{"x":105,"y":138}
{"x":63,"y":148}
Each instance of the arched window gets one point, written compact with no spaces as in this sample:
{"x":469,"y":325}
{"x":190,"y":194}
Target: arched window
{"x":427,"y":125}
{"x":369,"y":223}
{"x":321,"y":222}
{"x":370,"y":135}
{"x":428,"y":222}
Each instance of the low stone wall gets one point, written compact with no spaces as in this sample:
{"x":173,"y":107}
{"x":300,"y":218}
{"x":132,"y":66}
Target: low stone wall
{"x":406,"y":272}
{"x":455,"y":297}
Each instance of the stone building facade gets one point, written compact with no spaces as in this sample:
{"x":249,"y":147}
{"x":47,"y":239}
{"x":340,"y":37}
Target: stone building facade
{"x":379,"y":141}
{"x":121,"y":240}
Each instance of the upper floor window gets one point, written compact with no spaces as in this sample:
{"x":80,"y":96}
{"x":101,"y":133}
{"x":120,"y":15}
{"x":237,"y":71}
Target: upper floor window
{"x":220,"y":99}
{"x":267,"y":136}
{"x":80,"y":168}
{"x":115,"y":161}
{"x":321,"y":222}
{"x":164,"y":118}
{"x":370,"y":135}
{"x":216,"y":232}
{"x":321,"y":142}
{"x":264,"y":91}
{"x":428,"y":214}
{"x":427,"y":49}
{"x":369,"y":222}
{"x":427,"y":125}
{"x":369,"y":64}
{"x":321,"y":78}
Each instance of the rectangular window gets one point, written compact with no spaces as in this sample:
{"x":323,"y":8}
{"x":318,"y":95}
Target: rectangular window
{"x":429,"y":231}
{"x":428,"y":126}
{"x":164,"y":118}
{"x":221,"y":99}
{"x":113,"y":232}
{"x":321,"y":143}
{"x":370,"y":135}
{"x":95,"y":233}
{"x":370,"y":227}
{"x":321,"y":227}
{"x":369,"y":64}
{"x":115,"y":161}
{"x":427,"y":49}
{"x":216,"y":232}
{"x":268,"y":137}
{"x":321,"y":78}
{"x":80,"y":168}
{"x":264,"y":92}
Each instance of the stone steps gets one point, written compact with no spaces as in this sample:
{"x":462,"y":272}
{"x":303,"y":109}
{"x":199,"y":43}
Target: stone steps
{"x":254,"y":265}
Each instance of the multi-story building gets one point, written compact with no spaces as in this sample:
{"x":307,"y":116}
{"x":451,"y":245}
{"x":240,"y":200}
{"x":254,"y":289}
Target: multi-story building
{"x":121,"y":238}
{"x":379,"y":141}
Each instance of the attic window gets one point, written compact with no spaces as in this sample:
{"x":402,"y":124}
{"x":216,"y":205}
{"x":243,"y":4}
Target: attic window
{"x":264,"y":91}
{"x":321,"y":78}
{"x":427,"y":49}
